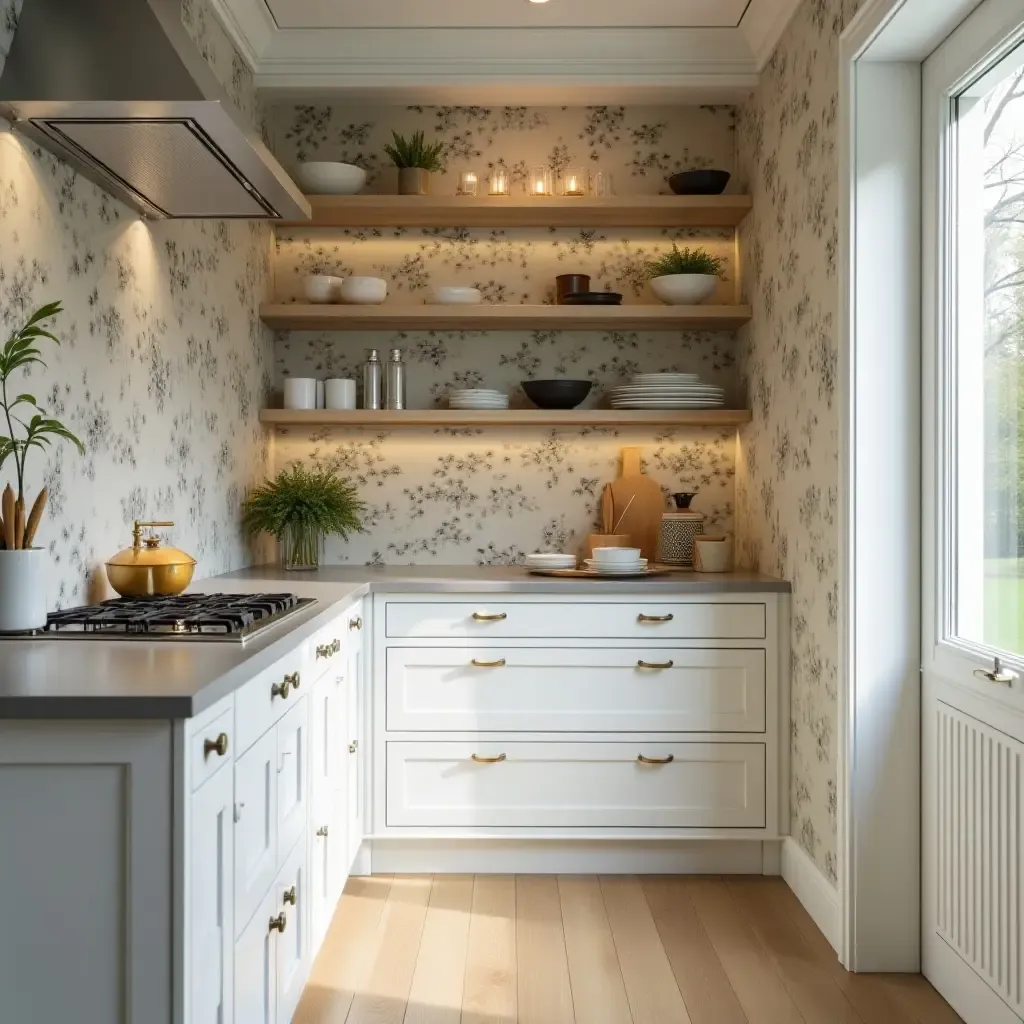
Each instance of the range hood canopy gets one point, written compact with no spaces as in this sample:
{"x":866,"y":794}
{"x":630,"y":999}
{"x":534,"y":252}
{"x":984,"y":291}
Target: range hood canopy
{"x":119,"y":89}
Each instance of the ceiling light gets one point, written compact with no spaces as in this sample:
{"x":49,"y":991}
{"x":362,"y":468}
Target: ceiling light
{"x":538,"y":1}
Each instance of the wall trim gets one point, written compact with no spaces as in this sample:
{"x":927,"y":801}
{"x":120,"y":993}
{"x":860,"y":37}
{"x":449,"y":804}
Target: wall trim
{"x":764,"y":26}
{"x":249,"y":25}
{"x":819,"y":897}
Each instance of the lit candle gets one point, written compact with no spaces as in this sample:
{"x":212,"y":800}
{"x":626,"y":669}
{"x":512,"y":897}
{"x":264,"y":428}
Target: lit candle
{"x":498,"y":184}
{"x":574,"y":182}
{"x":468,"y":183}
{"x":540,"y":181}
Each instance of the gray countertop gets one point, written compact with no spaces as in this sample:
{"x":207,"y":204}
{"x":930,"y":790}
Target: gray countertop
{"x":153,"y":679}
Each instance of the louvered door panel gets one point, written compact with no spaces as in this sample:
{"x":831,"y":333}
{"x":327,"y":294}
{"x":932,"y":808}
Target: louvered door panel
{"x":979,"y":877}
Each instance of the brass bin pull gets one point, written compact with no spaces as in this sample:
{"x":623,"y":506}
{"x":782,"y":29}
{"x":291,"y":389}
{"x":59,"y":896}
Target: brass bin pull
{"x":500,"y":663}
{"x":655,"y":664}
{"x":487,"y":760}
{"x":655,"y":760}
{"x":356,"y":623}
{"x":485,"y":617}
{"x":289,"y":896}
{"x":1000,"y":675}
{"x":655,"y":618}
{"x":219,"y":746}
{"x":328,"y":650}
{"x":279,"y":923}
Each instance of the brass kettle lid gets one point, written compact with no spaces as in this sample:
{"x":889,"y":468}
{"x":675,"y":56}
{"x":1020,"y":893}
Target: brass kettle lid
{"x":148,"y":551}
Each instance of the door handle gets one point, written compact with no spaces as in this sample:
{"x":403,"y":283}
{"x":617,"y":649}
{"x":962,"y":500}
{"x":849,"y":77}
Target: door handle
{"x":219,"y":746}
{"x":655,"y":664}
{"x":500,"y":663}
{"x":655,"y":760}
{"x":485,"y":617}
{"x":279,"y":923}
{"x":289,"y":896}
{"x":655,"y":618}
{"x":488,"y":760}
{"x":1001,"y":676}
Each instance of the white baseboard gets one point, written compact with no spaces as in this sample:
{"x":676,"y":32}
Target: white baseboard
{"x":817,"y":894}
{"x":552,"y":856}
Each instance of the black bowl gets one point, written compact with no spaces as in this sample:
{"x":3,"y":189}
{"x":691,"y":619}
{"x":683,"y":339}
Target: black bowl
{"x":592,"y":299}
{"x":699,"y":183}
{"x":556,"y":394}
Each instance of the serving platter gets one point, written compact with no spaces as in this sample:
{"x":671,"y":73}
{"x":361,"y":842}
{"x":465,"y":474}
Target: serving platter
{"x":583,"y":574}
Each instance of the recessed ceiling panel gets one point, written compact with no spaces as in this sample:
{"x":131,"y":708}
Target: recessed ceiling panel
{"x":340,"y":14}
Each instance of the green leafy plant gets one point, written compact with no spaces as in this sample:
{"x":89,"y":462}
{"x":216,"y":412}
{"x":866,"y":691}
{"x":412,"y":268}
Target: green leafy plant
{"x":686,"y":261}
{"x":415,"y":152}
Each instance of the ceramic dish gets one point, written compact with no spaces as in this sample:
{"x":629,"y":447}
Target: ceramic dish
{"x":364,"y":291}
{"x":449,"y":295}
{"x":592,"y":299}
{"x":321,"y":288}
{"x":583,"y":574}
{"x":329,"y":178}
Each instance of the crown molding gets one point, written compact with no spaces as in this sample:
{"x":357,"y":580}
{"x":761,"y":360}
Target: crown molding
{"x":763,"y":25}
{"x":250,"y":26}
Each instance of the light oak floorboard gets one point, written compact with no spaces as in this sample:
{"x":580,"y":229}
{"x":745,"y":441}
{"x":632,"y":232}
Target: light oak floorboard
{"x":489,"y":996}
{"x":386,"y":992}
{"x":654,"y":997}
{"x":918,"y":997}
{"x":598,"y":993}
{"x":543,"y":972}
{"x":702,"y":980}
{"x":347,"y":953}
{"x":761,"y":994}
{"x":436,"y":993}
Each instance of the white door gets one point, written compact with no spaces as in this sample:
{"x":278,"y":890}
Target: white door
{"x":356,"y":750}
{"x":292,"y":941}
{"x":256,"y":819}
{"x":211,"y":938}
{"x":256,"y":963}
{"x":973,"y":558}
{"x":292,"y":778}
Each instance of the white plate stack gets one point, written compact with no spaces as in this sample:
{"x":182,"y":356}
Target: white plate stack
{"x":477,"y":398}
{"x":667,"y":391}
{"x":550,"y":560}
{"x":615,"y":562}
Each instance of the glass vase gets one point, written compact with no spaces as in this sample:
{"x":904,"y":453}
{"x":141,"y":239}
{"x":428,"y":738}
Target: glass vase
{"x":301,"y":547}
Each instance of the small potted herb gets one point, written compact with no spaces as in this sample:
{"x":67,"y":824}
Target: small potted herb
{"x":415,"y":159}
{"x":685,"y":277}
{"x":23,"y":566}
{"x":300,"y":507}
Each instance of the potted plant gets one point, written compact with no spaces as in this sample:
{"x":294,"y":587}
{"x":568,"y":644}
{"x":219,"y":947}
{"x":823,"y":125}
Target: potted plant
{"x":23,"y":575}
{"x":685,"y":277}
{"x":299,"y":507}
{"x":415,"y":158}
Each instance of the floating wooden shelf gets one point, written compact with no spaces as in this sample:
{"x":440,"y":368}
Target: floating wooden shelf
{"x":504,"y":417}
{"x":300,"y":317}
{"x":365,"y":211}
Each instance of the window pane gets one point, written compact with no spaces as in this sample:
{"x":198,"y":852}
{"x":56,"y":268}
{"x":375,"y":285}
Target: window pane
{"x":989,"y":321}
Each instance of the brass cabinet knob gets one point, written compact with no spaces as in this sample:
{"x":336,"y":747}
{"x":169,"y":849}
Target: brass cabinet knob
{"x":655,"y":618}
{"x":356,"y":623}
{"x":656,"y":760}
{"x":219,"y":746}
{"x":328,"y":650}
{"x":500,"y":663}
{"x":294,"y":679}
{"x":289,"y":896}
{"x":488,"y":760}
{"x":322,"y":831}
{"x":486,"y":617}
{"x":655,"y":664}
{"x":353,"y":746}
{"x":279,"y":923}
{"x":281,"y":689}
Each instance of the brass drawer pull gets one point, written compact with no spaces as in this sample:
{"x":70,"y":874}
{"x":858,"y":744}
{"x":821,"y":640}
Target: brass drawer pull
{"x":500,"y":663}
{"x":485,"y":617}
{"x":289,"y":896}
{"x":279,"y":923}
{"x":322,"y":831}
{"x":487,"y":760}
{"x":655,"y":664}
{"x":656,"y":760}
{"x":219,"y":746}
{"x":328,"y":650}
{"x":281,"y":689}
{"x":655,"y":618}
{"x":356,"y":623}
{"x":353,"y":746}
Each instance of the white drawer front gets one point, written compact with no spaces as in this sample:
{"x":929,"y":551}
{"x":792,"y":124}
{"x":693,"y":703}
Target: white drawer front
{"x":536,"y":689}
{"x":706,"y":785}
{"x":639,"y":619}
{"x":211,"y":747}
{"x":255,"y":826}
{"x":292,"y":778}
{"x":261,"y":702}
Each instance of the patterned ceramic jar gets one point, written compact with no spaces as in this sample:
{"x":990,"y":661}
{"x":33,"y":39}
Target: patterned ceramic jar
{"x":678,"y":530}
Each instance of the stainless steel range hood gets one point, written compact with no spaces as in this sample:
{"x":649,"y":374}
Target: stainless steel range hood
{"x":118,"y":89}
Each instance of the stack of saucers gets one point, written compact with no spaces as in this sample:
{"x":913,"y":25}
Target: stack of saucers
{"x":615,"y":562}
{"x":667,"y":391}
{"x":477,"y":398}
{"x":550,"y":560}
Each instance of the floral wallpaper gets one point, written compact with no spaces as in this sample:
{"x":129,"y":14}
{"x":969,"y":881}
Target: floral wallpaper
{"x":788,"y":458}
{"x":164,"y":363}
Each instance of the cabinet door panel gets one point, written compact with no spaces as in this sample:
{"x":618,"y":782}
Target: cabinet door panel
{"x":292,"y":944}
{"x":211,"y":937}
{"x":256,"y":966}
{"x":293,"y":777}
{"x":355,"y":751}
{"x":256,"y":826}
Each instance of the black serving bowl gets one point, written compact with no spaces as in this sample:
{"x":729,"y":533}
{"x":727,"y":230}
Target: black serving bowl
{"x":699,"y":183}
{"x":556,"y":394}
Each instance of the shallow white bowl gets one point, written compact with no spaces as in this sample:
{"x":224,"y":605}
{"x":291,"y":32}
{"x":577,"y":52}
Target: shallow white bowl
{"x":616,"y":556}
{"x":321,"y":288}
{"x":449,"y":295}
{"x":684,"y":289}
{"x":366,"y":291}
{"x":329,"y":178}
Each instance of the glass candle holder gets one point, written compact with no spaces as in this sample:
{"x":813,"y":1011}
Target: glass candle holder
{"x":468,"y":183}
{"x":540,"y":182}
{"x":498,"y":183}
{"x":574,"y":181}
{"x":601,"y":183}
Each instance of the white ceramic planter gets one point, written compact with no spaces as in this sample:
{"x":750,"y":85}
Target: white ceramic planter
{"x":684,"y":289}
{"x":23,"y":579}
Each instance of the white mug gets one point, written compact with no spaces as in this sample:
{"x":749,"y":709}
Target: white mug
{"x":340,"y":393}
{"x":712,"y":554}
{"x":300,"y":392}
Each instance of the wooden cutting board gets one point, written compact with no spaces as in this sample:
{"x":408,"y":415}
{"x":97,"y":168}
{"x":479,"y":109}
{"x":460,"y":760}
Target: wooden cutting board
{"x":642,"y":520}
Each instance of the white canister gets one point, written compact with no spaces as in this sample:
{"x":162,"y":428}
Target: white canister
{"x":300,"y":392}
{"x":340,"y":393}
{"x":712,"y":554}
{"x":320,"y":394}
{"x":23,"y":579}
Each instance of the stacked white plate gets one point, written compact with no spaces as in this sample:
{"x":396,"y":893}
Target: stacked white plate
{"x":550,"y":560}
{"x":601,"y":568}
{"x":667,"y":391}
{"x":477,"y":398}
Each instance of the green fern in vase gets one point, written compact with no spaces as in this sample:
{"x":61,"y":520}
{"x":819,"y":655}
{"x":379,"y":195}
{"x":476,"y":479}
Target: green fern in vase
{"x":415,"y":152}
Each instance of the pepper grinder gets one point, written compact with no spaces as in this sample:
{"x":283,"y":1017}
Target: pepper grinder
{"x":394,"y":381}
{"x":371,"y":380}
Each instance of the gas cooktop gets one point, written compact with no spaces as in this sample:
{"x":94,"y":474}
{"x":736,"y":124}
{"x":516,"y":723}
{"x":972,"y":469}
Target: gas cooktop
{"x":187,"y":617}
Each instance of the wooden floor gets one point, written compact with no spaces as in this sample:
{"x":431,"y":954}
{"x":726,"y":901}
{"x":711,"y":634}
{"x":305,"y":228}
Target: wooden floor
{"x":535,"y":949}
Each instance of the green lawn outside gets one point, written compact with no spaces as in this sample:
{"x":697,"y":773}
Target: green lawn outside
{"x":1004,"y":603}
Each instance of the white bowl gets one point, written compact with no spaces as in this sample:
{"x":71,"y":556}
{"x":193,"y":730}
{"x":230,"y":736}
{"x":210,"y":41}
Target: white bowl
{"x":321,"y":288}
{"x":684,"y":289}
{"x":367,"y":291}
{"x":613,"y":556}
{"x":329,"y":178}
{"x":449,"y":295}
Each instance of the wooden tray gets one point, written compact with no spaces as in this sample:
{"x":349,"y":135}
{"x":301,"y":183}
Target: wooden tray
{"x":582,"y":574}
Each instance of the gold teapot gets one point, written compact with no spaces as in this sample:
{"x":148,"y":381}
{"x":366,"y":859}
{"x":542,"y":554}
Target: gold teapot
{"x":148,"y":570}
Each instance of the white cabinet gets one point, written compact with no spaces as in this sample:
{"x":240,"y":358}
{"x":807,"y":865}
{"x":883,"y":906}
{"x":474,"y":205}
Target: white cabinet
{"x":293,"y":774}
{"x":292,"y":946}
{"x":210,"y":940}
{"x":356,"y":750}
{"x":256,"y":811}
{"x":256,"y":965}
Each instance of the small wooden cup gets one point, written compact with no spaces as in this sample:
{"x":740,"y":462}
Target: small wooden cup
{"x":605,"y":540}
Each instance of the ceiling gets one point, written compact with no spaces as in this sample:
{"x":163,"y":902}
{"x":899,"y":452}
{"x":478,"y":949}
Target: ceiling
{"x":507,"y":51}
